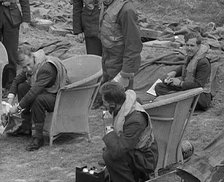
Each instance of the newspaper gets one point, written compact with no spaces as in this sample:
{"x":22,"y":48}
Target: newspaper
{"x":151,"y":90}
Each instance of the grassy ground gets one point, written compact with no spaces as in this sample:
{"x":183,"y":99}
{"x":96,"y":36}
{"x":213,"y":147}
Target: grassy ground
{"x":58,"y":163}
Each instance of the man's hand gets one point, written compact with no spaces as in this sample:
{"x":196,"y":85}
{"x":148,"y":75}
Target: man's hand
{"x":13,"y":109}
{"x":109,"y":129}
{"x":6,"y":3}
{"x":123,"y":81}
{"x":176,"y":82}
{"x":171,"y":74}
{"x":24,"y":27}
{"x":79,"y":38}
{"x":10,"y":98}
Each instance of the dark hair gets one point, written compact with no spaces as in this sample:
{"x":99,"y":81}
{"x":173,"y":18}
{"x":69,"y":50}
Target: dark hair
{"x":193,"y":35}
{"x":113,"y":92}
{"x":23,"y":51}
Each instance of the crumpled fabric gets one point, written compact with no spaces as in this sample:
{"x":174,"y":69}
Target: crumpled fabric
{"x":208,"y":165}
{"x":152,"y":69}
{"x":10,"y":123}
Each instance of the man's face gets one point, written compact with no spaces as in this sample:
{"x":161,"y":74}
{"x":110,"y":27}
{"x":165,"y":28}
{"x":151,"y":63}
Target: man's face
{"x":110,"y":106}
{"x":192,"y":47}
{"x":28,"y":64}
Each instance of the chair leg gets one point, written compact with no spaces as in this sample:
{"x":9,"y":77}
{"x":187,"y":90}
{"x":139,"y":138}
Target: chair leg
{"x":88,"y":137}
{"x":51,"y":141}
{"x":156,"y":173}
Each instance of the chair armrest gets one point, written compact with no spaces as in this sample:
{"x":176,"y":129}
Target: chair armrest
{"x":83,"y":81}
{"x":80,"y":87}
{"x":174,"y":97}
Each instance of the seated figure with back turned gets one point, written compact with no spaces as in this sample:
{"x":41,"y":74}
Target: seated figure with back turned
{"x":36,"y":86}
{"x":193,"y":74}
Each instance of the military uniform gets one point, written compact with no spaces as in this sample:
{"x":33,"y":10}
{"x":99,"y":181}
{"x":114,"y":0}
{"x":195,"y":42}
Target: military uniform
{"x":121,"y":39}
{"x":131,"y":151}
{"x":194,"y":73}
{"x":37,"y":92}
{"x":10,"y":20}
{"x":86,"y":19}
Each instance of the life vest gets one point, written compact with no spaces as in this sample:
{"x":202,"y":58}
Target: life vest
{"x":129,"y":106}
{"x":61,"y":79}
{"x":188,"y":70}
{"x":110,"y":30}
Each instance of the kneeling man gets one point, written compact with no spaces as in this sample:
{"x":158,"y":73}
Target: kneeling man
{"x":131,"y":151}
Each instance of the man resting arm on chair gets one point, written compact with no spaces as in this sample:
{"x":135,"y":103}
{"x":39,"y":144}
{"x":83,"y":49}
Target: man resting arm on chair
{"x":194,"y":73}
{"x":37,"y":86}
{"x":131,"y":151}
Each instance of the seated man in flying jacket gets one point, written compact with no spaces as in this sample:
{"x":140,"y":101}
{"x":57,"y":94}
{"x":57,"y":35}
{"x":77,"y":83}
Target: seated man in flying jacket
{"x":36,"y":86}
{"x":194,"y":73}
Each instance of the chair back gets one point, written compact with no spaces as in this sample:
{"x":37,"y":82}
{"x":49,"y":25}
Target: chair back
{"x":170,"y":115}
{"x":83,"y":69}
{"x":73,"y":102}
{"x":3,"y":55}
{"x":3,"y":62}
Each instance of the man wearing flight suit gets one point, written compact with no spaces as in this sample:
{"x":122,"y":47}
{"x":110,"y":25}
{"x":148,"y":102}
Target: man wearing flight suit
{"x":121,"y":41}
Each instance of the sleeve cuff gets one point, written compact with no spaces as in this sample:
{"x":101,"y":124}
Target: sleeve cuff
{"x":127,"y":75}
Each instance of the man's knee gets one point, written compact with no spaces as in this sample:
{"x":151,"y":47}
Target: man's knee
{"x":21,"y":87}
{"x":158,"y":88}
{"x":107,"y":158}
{"x":38,"y":100}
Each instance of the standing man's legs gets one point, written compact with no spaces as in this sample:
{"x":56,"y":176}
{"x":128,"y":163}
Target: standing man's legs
{"x":93,"y":46}
{"x":1,"y":22}
{"x":44,"y":102}
{"x":10,"y":39}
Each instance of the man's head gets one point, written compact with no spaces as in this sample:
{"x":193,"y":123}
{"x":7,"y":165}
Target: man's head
{"x":26,"y":59}
{"x":193,"y":43}
{"x":113,"y":95}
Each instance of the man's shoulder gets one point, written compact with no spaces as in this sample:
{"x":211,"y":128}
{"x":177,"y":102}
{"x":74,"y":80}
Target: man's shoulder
{"x":136,"y":116}
{"x":128,"y":7}
{"x":203,"y":61}
{"x":47,"y":67}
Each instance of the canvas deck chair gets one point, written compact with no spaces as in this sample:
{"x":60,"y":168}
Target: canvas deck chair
{"x":170,"y":115}
{"x":3,"y":62}
{"x":74,"y":101}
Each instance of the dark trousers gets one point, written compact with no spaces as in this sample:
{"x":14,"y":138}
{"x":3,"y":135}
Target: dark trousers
{"x":93,"y":46}
{"x":37,"y":109}
{"x":119,"y":170}
{"x":135,"y":166}
{"x":9,"y":36}
{"x":204,"y":100}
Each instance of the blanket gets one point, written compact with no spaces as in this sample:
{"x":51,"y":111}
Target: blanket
{"x":152,"y":69}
